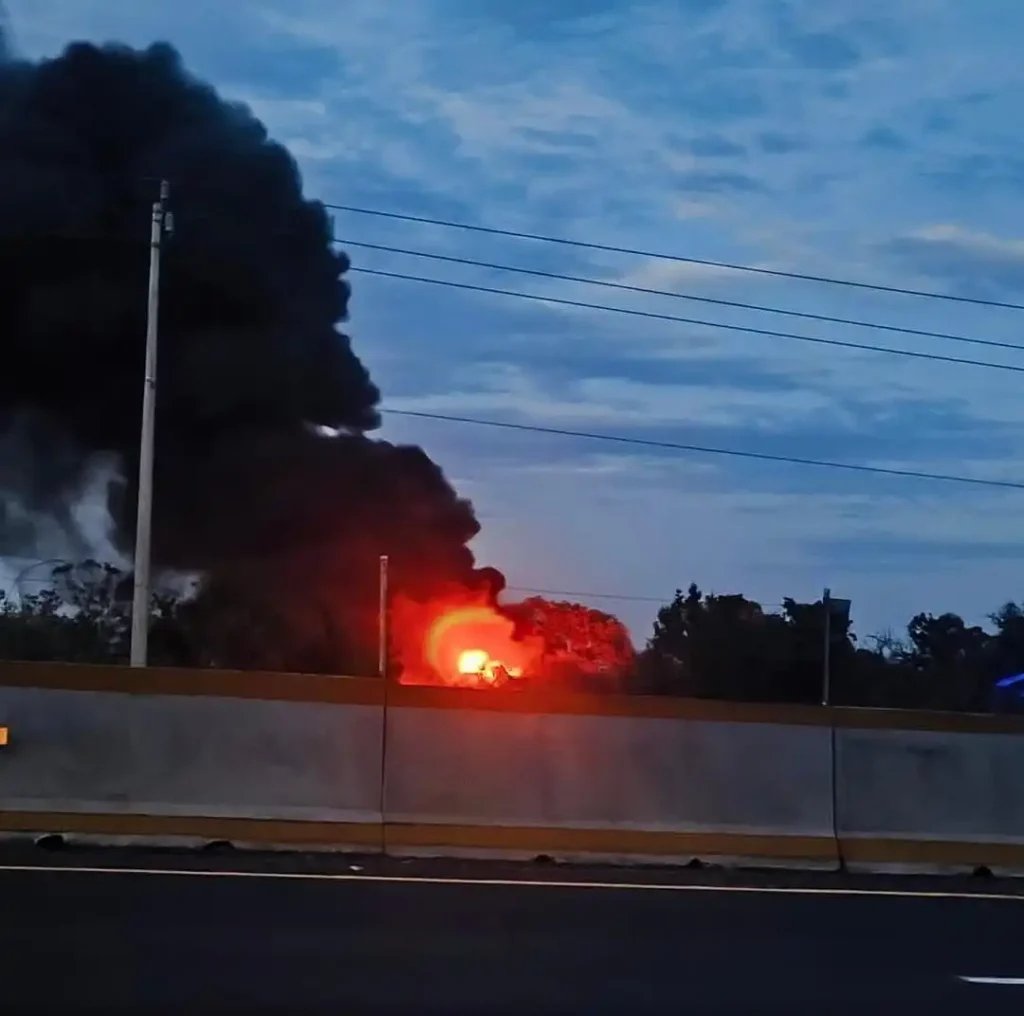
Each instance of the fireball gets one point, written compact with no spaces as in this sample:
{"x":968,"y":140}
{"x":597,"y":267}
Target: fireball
{"x":478,"y":667}
{"x":472,"y":661}
{"x":473,"y":646}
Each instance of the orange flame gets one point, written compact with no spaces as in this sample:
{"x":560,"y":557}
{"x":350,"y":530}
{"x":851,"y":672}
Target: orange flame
{"x":465,"y":645}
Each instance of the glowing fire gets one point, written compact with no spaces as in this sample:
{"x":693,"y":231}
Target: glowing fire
{"x":479,"y":667}
{"x":471,"y":646}
{"x":472,"y":661}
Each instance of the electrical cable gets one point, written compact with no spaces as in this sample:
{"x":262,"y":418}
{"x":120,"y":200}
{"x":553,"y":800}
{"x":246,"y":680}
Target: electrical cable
{"x":710,"y":450}
{"x":660,"y":256}
{"x":648,"y":291}
{"x":678,"y":319}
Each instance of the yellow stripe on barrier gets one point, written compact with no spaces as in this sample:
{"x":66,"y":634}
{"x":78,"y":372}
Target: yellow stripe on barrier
{"x":278,"y":832}
{"x":868,"y":850}
{"x":439,"y":836}
{"x":242,"y":684}
{"x":522,"y":840}
{"x":548,"y":702}
{"x":622,"y":842}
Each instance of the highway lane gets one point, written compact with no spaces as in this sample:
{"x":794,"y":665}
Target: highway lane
{"x":152,"y":934}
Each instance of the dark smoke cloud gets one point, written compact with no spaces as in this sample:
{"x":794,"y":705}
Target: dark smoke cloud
{"x":251,"y":360}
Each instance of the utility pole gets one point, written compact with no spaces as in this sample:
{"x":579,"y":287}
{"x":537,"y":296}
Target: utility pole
{"x":382,"y":619}
{"x":144,"y":519}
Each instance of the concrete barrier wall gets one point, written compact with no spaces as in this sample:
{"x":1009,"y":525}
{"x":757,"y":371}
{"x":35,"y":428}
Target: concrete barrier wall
{"x":306,"y":760}
{"x":471,"y":774}
{"x":180,"y":765}
{"x":928,"y":792}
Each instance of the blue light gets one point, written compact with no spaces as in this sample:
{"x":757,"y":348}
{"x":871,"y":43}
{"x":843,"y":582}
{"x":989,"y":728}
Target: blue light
{"x":1009,"y":682}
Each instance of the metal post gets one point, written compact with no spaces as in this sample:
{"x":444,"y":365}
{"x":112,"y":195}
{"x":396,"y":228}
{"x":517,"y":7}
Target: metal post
{"x":382,"y":619}
{"x":826,"y":677}
{"x":144,"y":518}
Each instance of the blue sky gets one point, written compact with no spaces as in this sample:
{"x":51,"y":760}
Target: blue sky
{"x":854,"y":138}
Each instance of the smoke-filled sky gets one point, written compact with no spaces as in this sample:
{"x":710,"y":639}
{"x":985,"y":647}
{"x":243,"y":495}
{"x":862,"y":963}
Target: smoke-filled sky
{"x":846,"y":137}
{"x":250,"y":488}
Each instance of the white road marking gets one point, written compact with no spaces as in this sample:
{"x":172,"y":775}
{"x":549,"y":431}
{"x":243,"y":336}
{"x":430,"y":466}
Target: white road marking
{"x":1017,"y":982}
{"x":509,"y":882}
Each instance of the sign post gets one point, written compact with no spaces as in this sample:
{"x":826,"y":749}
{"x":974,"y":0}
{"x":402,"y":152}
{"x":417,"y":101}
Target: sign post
{"x":838,"y":610}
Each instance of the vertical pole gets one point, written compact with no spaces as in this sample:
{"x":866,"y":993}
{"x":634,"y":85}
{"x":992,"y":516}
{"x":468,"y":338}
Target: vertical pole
{"x":382,"y":667}
{"x":144,"y":519}
{"x":826,"y":676}
{"x":382,"y":619}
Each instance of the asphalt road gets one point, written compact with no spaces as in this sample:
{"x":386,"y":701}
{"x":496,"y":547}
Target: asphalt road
{"x":109,"y":932}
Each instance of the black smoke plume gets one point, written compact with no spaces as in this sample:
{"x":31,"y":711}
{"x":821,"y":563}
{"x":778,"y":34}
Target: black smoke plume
{"x":285,"y":523}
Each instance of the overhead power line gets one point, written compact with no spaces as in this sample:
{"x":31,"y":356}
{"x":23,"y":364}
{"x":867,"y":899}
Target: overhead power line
{"x":647,"y":291}
{"x":708,"y":449}
{"x":679,"y":319}
{"x":625,"y":597}
{"x":656,"y":255}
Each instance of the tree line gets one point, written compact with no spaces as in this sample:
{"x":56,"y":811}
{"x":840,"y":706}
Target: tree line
{"x":729,"y":647}
{"x":703,"y":645}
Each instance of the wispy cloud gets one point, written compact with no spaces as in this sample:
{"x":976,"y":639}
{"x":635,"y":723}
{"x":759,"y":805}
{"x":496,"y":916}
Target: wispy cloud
{"x":963,"y":260}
